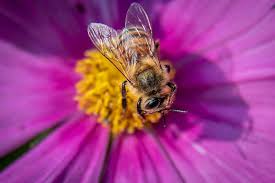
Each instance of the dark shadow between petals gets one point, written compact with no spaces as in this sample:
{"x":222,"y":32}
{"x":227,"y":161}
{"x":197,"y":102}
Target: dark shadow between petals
{"x":212,"y":100}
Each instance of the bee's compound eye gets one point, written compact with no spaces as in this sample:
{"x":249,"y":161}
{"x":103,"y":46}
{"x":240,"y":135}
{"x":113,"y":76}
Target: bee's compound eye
{"x":152,"y":103}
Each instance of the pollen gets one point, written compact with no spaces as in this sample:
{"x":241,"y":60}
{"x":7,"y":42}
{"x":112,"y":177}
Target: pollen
{"x":98,"y":93}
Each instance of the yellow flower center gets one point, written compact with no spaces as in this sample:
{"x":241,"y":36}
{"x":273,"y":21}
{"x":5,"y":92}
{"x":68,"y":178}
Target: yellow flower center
{"x":99,"y":93}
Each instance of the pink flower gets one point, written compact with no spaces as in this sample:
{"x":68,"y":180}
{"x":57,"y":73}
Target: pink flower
{"x":224,"y":55}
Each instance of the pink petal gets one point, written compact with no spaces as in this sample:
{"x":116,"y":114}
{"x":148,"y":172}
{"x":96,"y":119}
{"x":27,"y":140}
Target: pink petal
{"x":55,"y":27}
{"x":139,"y":158}
{"x":36,"y":93}
{"x":197,"y":26}
{"x":234,"y":110}
{"x":240,"y":18}
{"x":60,"y":154}
{"x":87,"y":165}
{"x":228,"y":91}
{"x":230,"y":139}
{"x":215,"y":158}
{"x":51,"y":28}
{"x":251,"y":65}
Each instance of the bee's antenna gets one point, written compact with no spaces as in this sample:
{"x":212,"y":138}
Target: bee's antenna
{"x":178,"y":110}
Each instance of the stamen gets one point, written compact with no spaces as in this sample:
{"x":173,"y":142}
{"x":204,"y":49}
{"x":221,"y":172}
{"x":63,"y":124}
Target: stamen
{"x":99,"y":93}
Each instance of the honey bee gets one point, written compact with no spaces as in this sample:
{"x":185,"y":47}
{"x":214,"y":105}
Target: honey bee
{"x":135,"y":54}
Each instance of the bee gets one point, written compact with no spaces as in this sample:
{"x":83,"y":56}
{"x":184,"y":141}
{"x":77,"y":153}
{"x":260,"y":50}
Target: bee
{"x":135,"y":54}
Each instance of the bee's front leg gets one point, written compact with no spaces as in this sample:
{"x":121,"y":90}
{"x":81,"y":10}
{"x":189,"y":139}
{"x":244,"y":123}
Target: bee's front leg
{"x":139,"y":110}
{"x":168,"y":69}
{"x":157,"y":46}
{"x":123,"y":93}
{"x":172,"y":86}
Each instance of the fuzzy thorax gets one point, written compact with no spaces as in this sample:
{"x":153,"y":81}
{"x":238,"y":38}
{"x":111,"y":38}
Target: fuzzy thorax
{"x":99,"y":93}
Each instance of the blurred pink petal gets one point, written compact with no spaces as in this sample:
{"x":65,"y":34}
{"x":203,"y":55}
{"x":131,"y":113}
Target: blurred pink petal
{"x":203,"y":25}
{"x":52,"y":28}
{"x":55,"y":27}
{"x":68,"y":148}
{"x":36,"y":93}
{"x":87,"y":165}
{"x":216,"y":159}
{"x":230,"y":139}
{"x":139,"y":158}
{"x":226,"y":82}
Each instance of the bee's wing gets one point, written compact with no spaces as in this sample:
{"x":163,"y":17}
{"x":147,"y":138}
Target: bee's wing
{"x":138,"y":19}
{"x":105,"y":40}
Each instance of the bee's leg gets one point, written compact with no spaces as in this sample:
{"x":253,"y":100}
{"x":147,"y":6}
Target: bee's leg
{"x":172,"y":86}
{"x":157,"y":45}
{"x":123,"y":93}
{"x":139,"y":110}
{"x":169,"y":69}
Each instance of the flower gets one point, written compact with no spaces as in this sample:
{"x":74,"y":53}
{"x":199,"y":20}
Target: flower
{"x":224,"y":57}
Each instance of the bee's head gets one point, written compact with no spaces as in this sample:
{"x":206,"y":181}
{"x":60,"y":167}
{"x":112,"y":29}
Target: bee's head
{"x":158,"y":102}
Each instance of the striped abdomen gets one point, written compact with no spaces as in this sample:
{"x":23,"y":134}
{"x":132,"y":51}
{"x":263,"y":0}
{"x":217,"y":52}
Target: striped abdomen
{"x":134,"y":43}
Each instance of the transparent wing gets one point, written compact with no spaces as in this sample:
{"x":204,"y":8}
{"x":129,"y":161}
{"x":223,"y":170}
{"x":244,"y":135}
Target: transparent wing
{"x":105,"y":40}
{"x":137,"y":17}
